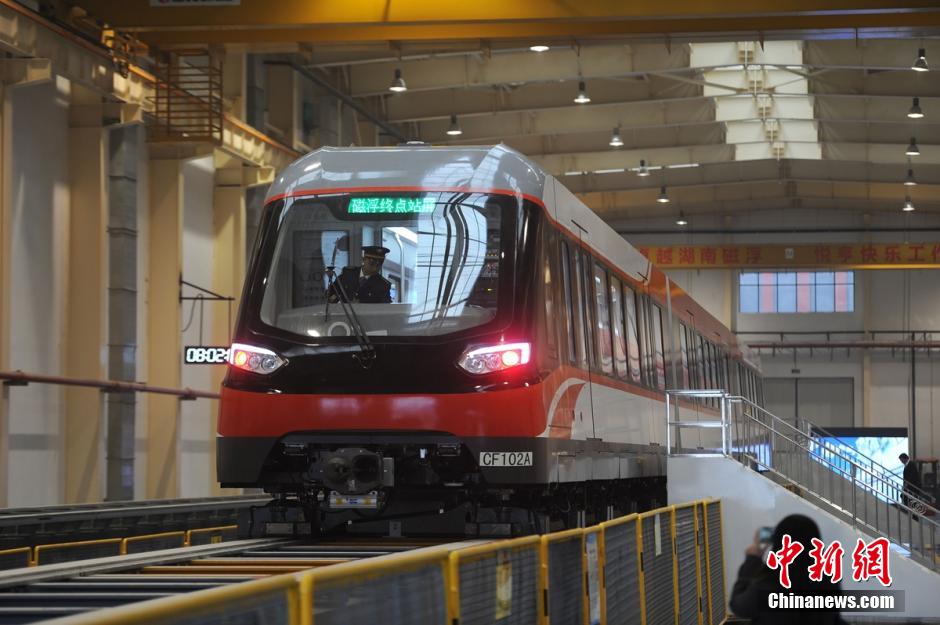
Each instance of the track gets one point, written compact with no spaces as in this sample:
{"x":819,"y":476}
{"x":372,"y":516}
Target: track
{"x":39,"y":593}
{"x":56,"y":524}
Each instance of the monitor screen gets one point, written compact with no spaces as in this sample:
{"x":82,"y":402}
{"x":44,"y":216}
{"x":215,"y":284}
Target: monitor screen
{"x":881,"y":445}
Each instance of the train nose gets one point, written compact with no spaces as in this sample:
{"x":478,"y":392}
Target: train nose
{"x":351,"y":471}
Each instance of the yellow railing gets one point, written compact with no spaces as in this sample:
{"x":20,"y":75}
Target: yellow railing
{"x":612,"y":572}
{"x":83,"y":549}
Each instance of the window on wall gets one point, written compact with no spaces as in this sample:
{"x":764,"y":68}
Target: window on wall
{"x":796,"y":291}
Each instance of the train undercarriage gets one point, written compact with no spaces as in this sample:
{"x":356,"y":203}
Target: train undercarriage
{"x":435,"y":484}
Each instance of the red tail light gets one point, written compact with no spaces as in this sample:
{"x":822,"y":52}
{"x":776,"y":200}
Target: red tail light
{"x":491,"y":358}
{"x":254,"y":359}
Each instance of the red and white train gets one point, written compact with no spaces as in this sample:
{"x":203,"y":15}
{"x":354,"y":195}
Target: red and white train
{"x":522,"y":361}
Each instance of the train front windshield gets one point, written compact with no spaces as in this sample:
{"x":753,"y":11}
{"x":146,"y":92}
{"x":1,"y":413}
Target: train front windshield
{"x":448,"y":255}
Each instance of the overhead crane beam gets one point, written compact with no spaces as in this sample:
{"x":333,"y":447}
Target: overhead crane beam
{"x":256,"y":21}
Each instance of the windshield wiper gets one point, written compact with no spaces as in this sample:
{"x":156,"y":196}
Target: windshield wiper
{"x":366,"y":355}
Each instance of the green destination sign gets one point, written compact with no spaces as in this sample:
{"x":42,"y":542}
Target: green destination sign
{"x":391,"y":205}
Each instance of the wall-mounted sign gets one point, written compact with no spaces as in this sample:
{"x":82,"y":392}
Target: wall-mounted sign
{"x":205,"y":355}
{"x":817,"y":256}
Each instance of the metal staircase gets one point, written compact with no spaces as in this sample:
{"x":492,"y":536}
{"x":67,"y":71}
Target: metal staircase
{"x":808,"y":460}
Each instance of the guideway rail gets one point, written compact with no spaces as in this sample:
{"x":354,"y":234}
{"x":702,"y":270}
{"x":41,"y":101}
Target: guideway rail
{"x":832,"y":475}
{"x":661,"y":566}
{"x":87,"y":587}
{"x":30,"y":527}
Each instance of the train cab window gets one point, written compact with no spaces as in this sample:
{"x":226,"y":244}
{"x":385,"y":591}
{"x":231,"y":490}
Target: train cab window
{"x":617,"y":328}
{"x":684,"y":355}
{"x":659,"y":361}
{"x":633,"y":336}
{"x":451,"y":257}
{"x":602,"y":315}
{"x":569,"y":304}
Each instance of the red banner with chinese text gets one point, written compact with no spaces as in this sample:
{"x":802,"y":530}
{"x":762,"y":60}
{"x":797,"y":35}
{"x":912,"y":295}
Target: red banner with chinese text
{"x":822,"y":255}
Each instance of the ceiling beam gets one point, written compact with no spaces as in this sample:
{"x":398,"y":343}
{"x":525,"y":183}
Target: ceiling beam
{"x":301,"y":20}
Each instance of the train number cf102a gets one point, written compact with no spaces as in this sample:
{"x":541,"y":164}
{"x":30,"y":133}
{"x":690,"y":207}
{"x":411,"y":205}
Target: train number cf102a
{"x":199,"y":355}
{"x":506,"y":459}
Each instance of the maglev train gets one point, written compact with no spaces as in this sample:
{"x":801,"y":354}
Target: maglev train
{"x":513,"y":355}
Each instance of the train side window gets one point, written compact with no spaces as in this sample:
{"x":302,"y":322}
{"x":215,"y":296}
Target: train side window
{"x":643,"y":328}
{"x":602,"y":315}
{"x":726,"y":369}
{"x":700,"y":361}
{"x":707,"y":359}
{"x":569,"y":303}
{"x":587,"y":309}
{"x":550,"y":323}
{"x":617,"y":327}
{"x":577,"y":305}
{"x":659,"y":360}
{"x":684,"y":354}
{"x":633,"y":338}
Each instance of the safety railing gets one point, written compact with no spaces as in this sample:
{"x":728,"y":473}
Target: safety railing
{"x":53,"y":553}
{"x":857,"y":489}
{"x":662,"y":567}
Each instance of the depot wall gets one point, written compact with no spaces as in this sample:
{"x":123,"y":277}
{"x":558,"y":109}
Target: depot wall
{"x":895,"y":300}
{"x":40,"y":206}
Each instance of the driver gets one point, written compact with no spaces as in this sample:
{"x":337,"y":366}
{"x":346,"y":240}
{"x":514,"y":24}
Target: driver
{"x":365,"y":284}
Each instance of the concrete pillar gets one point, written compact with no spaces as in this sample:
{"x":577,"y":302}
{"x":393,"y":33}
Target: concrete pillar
{"x":5,"y":160}
{"x":163,"y":325}
{"x":229,"y":228}
{"x":86,"y":310}
{"x":123,"y":288}
{"x":234,"y":81}
{"x":283,"y":103}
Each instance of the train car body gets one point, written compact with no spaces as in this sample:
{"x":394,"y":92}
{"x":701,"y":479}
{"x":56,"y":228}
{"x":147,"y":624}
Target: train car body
{"x":526,"y":348}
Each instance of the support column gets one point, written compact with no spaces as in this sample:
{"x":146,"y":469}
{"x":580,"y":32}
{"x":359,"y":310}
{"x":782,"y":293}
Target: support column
{"x":163,"y":326}
{"x":283,"y":102}
{"x":86,"y":309}
{"x":234,"y":81}
{"x":5,"y":162}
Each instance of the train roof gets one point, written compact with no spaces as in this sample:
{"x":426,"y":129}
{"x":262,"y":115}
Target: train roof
{"x":409,"y":166}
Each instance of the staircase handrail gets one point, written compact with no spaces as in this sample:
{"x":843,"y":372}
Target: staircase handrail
{"x":922,"y":494}
{"x":849,"y":460}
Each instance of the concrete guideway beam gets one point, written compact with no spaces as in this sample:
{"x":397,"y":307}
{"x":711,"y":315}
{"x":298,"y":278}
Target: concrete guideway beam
{"x":298,"y":20}
{"x":24,"y":33}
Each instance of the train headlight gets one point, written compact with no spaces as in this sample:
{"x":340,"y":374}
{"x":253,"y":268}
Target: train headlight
{"x":492,"y":358}
{"x":254,"y":359}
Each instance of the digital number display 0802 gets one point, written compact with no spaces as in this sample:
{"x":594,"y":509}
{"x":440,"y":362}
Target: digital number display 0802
{"x":200,"y":355}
